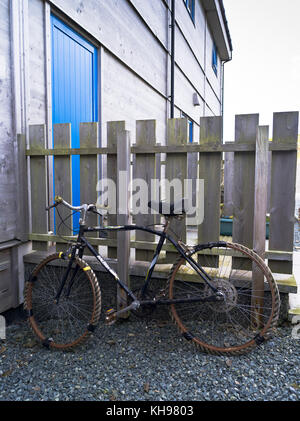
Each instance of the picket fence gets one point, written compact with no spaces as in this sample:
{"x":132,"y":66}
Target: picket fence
{"x":177,"y":158}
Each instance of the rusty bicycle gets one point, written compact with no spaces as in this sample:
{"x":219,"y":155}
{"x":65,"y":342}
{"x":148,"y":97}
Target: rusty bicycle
{"x":209,"y":290}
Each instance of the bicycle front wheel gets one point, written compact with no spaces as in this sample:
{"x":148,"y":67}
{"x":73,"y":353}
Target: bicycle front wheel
{"x":69,"y":321}
{"x":248,"y":311}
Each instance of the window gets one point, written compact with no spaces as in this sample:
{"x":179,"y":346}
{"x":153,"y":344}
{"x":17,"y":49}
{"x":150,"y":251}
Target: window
{"x":191,"y":131}
{"x":190,"y":127}
{"x":215,"y":59}
{"x":190,"y":5}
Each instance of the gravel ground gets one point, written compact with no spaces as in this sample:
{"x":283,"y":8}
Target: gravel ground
{"x":138,"y":361}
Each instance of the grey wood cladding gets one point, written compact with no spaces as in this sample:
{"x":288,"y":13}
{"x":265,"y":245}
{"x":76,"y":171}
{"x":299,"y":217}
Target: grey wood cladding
{"x":283,"y":185}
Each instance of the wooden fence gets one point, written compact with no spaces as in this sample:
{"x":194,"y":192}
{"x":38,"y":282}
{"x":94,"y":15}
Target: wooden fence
{"x":145,"y":159}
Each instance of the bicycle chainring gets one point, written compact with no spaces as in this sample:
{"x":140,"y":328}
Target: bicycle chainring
{"x":147,"y":310}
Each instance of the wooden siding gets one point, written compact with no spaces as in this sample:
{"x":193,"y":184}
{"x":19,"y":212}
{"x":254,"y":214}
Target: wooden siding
{"x":126,"y":96}
{"x":212,"y":101}
{"x":184,"y":97}
{"x":150,"y":21}
{"x":135,"y":68}
{"x":155,"y":15}
{"x":132,"y":53}
{"x":8,"y":189}
{"x":37,"y":101}
{"x":213,"y":79}
{"x":132,"y":42}
{"x":194,"y":56}
{"x":188,"y":64}
{"x":193,"y":33}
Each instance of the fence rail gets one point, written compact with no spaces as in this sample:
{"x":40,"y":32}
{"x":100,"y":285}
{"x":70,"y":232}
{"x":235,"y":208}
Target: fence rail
{"x":147,"y":160}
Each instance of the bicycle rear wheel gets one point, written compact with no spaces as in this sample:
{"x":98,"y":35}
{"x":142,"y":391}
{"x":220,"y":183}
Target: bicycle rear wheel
{"x":247,"y":314}
{"x":69,"y":322}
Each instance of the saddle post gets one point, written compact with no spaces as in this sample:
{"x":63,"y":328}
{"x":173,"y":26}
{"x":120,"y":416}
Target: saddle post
{"x":166,"y":224}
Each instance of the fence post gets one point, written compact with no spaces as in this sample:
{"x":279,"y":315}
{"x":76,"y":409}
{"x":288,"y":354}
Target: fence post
{"x":144,"y":169}
{"x":38,"y":183}
{"x":176,"y":168}
{"x":283,"y":184}
{"x":244,"y":175}
{"x":88,"y":171}
{"x":62,"y":178}
{"x":259,"y":227}
{"x":210,"y":172}
{"x":123,"y":217}
{"x":114,"y":129}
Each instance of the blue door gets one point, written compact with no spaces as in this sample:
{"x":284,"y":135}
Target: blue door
{"x":74,"y":88}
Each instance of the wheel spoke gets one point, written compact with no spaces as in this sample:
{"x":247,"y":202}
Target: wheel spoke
{"x":64,"y":321}
{"x":229,"y":323}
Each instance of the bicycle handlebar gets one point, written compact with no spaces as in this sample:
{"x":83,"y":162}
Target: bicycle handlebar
{"x":85,"y":207}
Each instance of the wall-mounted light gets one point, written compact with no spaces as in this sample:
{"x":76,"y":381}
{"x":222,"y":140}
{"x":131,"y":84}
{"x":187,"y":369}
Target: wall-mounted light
{"x":196,"y":100}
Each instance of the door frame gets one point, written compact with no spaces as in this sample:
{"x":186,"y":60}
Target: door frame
{"x":48,"y":11}
{"x":80,"y":39}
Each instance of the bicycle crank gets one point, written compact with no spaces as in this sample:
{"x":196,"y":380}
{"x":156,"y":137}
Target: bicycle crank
{"x":112,"y":315}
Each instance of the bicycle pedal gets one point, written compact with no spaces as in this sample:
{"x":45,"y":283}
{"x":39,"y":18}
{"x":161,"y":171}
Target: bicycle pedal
{"x":110,"y":316}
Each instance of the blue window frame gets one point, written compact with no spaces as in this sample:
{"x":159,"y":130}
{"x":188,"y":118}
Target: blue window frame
{"x":215,"y":59}
{"x":190,"y":5}
{"x":190,"y":128}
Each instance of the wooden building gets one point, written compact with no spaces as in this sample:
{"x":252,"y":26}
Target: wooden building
{"x":98,"y":60}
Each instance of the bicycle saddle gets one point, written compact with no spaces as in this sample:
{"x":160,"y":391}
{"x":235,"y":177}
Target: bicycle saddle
{"x":179,"y":207}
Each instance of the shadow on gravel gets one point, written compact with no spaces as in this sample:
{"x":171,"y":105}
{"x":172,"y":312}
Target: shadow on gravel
{"x":145,"y":360}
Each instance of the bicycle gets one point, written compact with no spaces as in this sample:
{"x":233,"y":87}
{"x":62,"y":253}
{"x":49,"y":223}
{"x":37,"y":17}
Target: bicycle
{"x":208,"y":290}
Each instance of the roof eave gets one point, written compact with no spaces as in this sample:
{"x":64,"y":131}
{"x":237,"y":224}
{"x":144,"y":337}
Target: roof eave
{"x":218,"y":24}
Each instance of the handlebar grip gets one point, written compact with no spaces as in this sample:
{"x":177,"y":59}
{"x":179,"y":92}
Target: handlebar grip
{"x":57,"y":200}
{"x":52,"y":206}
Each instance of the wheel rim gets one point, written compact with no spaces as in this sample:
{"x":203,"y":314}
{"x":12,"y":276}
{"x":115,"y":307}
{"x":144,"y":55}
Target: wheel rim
{"x":63,"y":325}
{"x":218,"y":341}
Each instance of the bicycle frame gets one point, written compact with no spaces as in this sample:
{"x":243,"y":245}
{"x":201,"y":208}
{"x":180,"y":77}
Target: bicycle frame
{"x":241,"y":320}
{"x":83,"y":242}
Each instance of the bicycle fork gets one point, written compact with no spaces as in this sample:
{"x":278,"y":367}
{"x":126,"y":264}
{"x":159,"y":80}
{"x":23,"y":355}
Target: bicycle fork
{"x":66,"y":274}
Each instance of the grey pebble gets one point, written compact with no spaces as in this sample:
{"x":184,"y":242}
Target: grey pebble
{"x":174,"y":370}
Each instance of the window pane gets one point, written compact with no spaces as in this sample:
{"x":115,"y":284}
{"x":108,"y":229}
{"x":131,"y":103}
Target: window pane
{"x":215,"y":59}
{"x":190,"y":5}
{"x":191,"y":131}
